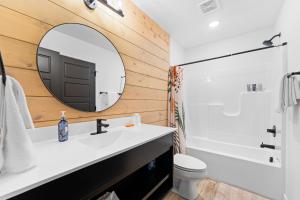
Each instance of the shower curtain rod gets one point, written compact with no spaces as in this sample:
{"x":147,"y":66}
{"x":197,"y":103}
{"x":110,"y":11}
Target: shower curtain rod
{"x":233,"y":54}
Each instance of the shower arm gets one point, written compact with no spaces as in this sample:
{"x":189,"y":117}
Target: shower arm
{"x":278,"y":35}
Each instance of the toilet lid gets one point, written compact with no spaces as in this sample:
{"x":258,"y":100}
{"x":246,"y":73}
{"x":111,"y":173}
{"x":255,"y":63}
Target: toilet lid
{"x":188,"y":163}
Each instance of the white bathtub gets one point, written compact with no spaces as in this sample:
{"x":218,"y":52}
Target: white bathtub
{"x":243,"y":166}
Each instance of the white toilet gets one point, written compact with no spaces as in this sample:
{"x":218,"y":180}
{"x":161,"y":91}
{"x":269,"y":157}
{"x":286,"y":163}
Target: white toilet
{"x":188,"y":171}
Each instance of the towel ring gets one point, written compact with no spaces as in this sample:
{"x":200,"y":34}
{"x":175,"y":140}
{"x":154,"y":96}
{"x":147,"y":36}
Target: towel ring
{"x":292,"y":74}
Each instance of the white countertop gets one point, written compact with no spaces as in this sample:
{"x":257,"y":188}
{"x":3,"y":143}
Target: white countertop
{"x":57,"y":159}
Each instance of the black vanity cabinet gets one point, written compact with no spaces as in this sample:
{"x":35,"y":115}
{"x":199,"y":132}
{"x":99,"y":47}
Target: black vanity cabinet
{"x":145,"y":172}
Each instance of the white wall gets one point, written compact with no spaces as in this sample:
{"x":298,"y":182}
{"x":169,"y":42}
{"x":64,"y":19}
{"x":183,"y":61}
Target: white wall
{"x":289,"y":25}
{"x":231,"y":45}
{"x":179,"y":55}
{"x":176,"y":53}
{"x":109,"y":66}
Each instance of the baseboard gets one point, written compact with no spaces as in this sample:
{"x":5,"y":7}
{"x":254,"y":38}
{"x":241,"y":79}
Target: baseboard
{"x":285,"y":197}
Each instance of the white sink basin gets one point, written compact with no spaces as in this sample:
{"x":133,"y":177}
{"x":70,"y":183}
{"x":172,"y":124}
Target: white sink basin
{"x":102,"y":140}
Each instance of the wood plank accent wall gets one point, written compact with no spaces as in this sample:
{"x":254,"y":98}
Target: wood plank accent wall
{"x":143,"y":45}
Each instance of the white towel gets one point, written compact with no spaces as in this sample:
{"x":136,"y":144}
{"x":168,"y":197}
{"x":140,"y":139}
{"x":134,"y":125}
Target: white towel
{"x":18,"y":149}
{"x":289,"y":93}
{"x":108,"y":99}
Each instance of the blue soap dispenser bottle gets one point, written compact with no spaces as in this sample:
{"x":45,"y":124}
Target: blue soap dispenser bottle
{"x":63,"y":132}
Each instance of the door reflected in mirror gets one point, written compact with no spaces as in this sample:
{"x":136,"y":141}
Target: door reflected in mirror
{"x":81,"y":67}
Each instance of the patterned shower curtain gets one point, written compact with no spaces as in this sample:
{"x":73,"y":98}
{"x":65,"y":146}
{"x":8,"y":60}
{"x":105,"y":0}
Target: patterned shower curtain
{"x":176,"y":116}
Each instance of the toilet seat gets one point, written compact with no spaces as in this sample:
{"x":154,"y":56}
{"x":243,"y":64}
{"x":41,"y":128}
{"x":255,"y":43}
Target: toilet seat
{"x":188,"y":163}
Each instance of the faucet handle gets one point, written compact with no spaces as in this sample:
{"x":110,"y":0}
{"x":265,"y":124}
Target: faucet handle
{"x":99,"y":127}
{"x":99,"y":121}
{"x":272,"y":130}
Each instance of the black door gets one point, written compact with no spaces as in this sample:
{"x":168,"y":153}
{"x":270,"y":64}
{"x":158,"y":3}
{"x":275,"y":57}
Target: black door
{"x":69,"y":79}
{"x":49,"y":63}
{"x":78,"y":83}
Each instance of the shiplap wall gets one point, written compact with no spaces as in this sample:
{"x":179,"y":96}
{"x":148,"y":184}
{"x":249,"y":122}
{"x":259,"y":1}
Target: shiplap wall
{"x":143,"y":45}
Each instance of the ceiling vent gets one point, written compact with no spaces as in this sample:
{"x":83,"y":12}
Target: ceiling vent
{"x":208,"y":6}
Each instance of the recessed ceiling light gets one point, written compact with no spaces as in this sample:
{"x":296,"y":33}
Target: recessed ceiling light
{"x":214,"y":24}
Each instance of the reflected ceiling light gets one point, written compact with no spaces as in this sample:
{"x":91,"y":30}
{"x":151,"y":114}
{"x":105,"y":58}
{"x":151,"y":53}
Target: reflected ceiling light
{"x":214,"y":24}
{"x":114,"y":5}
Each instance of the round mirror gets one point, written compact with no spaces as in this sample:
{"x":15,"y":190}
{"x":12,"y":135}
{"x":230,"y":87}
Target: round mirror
{"x":81,"y":67}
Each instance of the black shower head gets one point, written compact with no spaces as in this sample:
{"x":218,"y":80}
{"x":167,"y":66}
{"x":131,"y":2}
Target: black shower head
{"x":269,"y":42}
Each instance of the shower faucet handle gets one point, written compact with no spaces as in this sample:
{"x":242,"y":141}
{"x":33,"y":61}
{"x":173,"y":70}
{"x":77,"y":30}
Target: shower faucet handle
{"x":269,"y":146}
{"x":272,"y":130}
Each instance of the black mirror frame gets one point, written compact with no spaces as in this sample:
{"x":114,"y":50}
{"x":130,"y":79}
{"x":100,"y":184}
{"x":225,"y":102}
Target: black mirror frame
{"x":53,"y":95}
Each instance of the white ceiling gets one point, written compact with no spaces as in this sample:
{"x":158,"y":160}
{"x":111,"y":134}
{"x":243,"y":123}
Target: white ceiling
{"x":183,"y":20}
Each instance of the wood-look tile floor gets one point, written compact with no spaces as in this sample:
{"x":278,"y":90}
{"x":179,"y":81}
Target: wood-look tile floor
{"x":212,"y":190}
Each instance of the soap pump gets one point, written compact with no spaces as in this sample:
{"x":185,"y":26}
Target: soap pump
{"x":63,"y":132}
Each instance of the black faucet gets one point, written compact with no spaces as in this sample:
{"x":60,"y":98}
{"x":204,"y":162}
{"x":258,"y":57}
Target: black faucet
{"x":267,"y":146}
{"x":99,"y":127}
{"x":272,"y":130}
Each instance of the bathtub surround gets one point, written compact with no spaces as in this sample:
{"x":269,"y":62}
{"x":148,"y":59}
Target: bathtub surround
{"x":143,"y":45}
{"x":176,"y":113}
{"x":17,"y":149}
{"x":218,"y":105}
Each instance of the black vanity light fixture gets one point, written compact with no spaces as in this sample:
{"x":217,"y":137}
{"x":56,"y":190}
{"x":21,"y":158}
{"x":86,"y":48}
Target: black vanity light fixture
{"x":114,"y":5}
